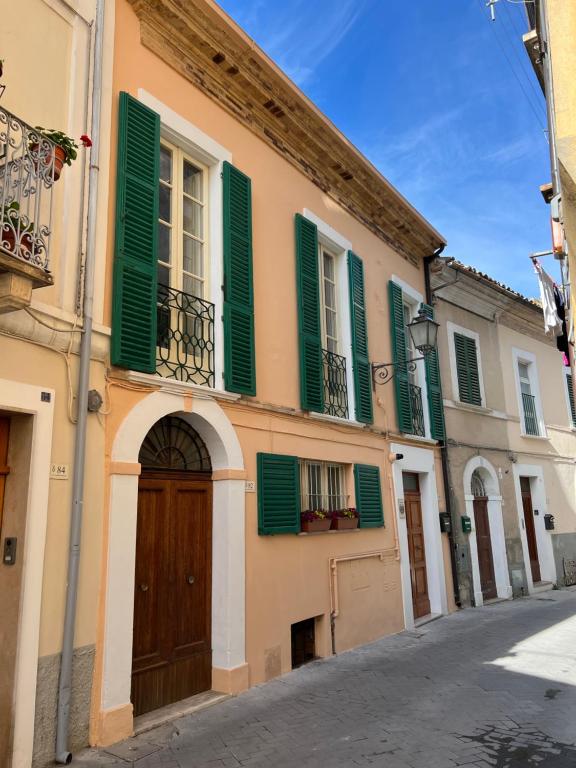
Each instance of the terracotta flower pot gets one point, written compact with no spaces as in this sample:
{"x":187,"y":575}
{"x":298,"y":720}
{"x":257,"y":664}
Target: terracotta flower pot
{"x":344,"y":523}
{"x":315,"y":526}
{"x":59,"y":157}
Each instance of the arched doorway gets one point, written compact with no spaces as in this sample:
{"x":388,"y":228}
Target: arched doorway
{"x":171,"y":649}
{"x":483,"y":537}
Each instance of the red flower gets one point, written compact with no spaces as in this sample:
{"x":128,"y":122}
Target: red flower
{"x":86,"y":140}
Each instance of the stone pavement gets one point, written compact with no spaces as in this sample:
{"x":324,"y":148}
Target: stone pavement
{"x":494,"y":686}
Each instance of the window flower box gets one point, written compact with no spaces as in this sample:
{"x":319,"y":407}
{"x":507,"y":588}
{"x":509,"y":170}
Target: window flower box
{"x":344,"y":519}
{"x":314,"y":521}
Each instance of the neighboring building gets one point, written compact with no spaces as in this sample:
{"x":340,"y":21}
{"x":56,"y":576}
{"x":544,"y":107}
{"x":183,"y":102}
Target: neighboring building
{"x":511,"y":439}
{"x":550,"y":47}
{"x":45,"y":46}
{"x":259,"y":266}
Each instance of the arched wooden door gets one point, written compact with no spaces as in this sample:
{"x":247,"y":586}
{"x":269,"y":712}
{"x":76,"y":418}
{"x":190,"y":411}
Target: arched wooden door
{"x":483,"y":539}
{"x":171,"y":653}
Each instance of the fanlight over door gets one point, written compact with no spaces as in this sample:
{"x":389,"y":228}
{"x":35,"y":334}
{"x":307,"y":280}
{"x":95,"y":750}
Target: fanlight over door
{"x":173,"y":445}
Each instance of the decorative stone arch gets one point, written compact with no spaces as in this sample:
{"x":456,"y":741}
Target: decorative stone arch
{"x":489,"y":478}
{"x":229,"y":672}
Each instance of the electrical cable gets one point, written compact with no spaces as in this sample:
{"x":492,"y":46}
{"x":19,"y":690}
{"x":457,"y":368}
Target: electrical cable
{"x":520,"y":83}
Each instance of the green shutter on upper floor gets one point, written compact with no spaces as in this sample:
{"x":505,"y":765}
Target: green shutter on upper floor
{"x":467,"y":369}
{"x":401,"y":382}
{"x":239,"y":353}
{"x":434,"y":388}
{"x":309,"y":329}
{"x":571,"y":398}
{"x":278,"y":494}
{"x":368,"y":495}
{"x":360,"y":360}
{"x":134,"y":319}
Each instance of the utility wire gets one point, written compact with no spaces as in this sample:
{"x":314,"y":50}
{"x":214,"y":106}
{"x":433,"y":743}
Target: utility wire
{"x":520,"y":83}
{"x":509,"y":21}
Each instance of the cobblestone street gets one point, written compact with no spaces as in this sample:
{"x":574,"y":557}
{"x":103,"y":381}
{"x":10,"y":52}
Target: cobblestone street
{"x":494,"y":686}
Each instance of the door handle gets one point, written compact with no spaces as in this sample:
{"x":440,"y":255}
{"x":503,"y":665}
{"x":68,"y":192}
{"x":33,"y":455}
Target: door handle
{"x":190,"y":579}
{"x":144,"y":587}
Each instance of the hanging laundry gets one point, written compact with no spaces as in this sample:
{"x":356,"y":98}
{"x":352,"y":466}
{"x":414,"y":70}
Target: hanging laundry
{"x":552,"y":322}
{"x":562,"y":338}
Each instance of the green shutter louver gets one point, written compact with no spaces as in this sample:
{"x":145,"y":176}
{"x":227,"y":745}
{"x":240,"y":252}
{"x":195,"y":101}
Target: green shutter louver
{"x":239,"y":355}
{"x":401,"y":383}
{"x":434,"y":388}
{"x":571,"y":398}
{"x":134,"y":298}
{"x":309,"y":331}
{"x":368,"y":496}
{"x":467,"y":369}
{"x":360,"y":361}
{"x":278,"y":494}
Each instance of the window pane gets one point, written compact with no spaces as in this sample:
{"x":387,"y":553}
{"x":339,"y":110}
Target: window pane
{"x":330,"y":294}
{"x":523,"y":371}
{"x":164,"y":243}
{"x":192,"y":180}
{"x":330,"y":323}
{"x":165,"y":164}
{"x":329,"y":267}
{"x":193,"y":287}
{"x":193,"y":218}
{"x":314,"y":486}
{"x":165,"y":203}
{"x":163,"y":275}
{"x":193,"y":257}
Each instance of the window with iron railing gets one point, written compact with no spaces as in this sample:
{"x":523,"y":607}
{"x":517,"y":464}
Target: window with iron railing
{"x":333,"y":364}
{"x":529,"y":408}
{"x":322,"y":486}
{"x":418,"y":426}
{"x":28,"y":169}
{"x":185,"y":341}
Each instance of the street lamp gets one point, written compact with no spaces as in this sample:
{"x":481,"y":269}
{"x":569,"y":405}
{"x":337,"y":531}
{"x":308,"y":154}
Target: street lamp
{"x":424,"y":334}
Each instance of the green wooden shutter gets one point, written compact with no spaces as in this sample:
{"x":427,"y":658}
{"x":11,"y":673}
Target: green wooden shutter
{"x":239,"y":355}
{"x":467,"y":369}
{"x":401,"y":383}
{"x":360,"y":361}
{"x":368,"y":496}
{"x":571,"y":398}
{"x":308,"y":288}
{"x":135,"y":255}
{"x":278,"y":494}
{"x":434,"y":388}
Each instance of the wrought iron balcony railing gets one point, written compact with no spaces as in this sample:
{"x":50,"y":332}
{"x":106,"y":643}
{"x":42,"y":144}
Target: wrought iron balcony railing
{"x":335,"y":386}
{"x":530,"y":414}
{"x":417,"y":410}
{"x":28,"y":171}
{"x":185,"y":340}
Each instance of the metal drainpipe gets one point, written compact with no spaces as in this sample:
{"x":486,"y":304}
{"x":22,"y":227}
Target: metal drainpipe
{"x":63,"y":755}
{"x":444,"y":449}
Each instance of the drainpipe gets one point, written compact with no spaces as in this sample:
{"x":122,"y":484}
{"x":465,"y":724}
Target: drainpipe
{"x":444,"y":449}
{"x":63,"y":755}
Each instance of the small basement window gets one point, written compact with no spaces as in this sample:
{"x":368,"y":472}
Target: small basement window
{"x":303,"y":642}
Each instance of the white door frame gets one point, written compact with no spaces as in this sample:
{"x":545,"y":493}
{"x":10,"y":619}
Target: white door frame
{"x":543,"y":538}
{"x":420,"y":461}
{"x":496,"y":522}
{"x":228,"y":549}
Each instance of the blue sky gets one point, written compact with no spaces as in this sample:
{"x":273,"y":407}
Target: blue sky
{"x":425,"y":91}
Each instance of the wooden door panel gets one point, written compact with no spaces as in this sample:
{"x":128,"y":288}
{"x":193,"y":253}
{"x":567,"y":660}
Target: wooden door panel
{"x":484,"y":547}
{"x":417,"y":554}
{"x":530,"y":530}
{"x":149,"y":640}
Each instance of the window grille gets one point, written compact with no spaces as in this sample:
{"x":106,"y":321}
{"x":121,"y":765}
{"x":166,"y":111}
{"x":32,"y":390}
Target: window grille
{"x":322,"y":486}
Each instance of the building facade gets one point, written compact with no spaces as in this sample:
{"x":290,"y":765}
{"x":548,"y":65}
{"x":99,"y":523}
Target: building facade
{"x":257,"y":266}
{"x":511,"y":439}
{"x":46,"y":48}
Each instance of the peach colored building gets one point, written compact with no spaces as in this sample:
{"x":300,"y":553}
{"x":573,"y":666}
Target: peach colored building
{"x":258,"y":264}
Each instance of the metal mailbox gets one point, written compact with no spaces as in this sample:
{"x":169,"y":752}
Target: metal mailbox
{"x":466,"y":524}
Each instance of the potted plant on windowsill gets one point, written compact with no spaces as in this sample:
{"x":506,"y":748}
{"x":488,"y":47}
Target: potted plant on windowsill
{"x":314,"y":521}
{"x":344,"y":519}
{"x":64,"y":152}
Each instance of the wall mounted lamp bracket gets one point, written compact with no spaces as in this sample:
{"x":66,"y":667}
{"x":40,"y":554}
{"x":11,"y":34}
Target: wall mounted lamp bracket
{"x":382,"y":373}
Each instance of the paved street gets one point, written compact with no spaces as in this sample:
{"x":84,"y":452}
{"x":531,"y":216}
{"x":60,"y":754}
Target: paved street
{"x":488,"y":687}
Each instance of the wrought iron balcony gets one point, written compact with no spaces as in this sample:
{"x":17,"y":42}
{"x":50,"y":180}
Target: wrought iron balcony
{"x":335,"y":384}
{"x":530,"y":414}
{"x":28,"y":170}
{"x":185,"y":339}
{"x":417,"y":410}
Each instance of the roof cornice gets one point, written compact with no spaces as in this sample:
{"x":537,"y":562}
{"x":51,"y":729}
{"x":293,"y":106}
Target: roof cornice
{"x":199,"y":41}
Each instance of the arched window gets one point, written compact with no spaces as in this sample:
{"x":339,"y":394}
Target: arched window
{"x":477,"y":485}
{"x":172,"y":444}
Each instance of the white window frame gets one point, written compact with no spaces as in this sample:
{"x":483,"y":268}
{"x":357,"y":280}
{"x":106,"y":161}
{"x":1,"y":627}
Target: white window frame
{"x":325,"y":250}
{"x":565,"y":373}
{"x":174,"y":129}
{"x":339,"y":246}
{"x":414,"y":299}
{"x":452,"y":329}
{"x":529,"y":359}
{"x":324,"y":466}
